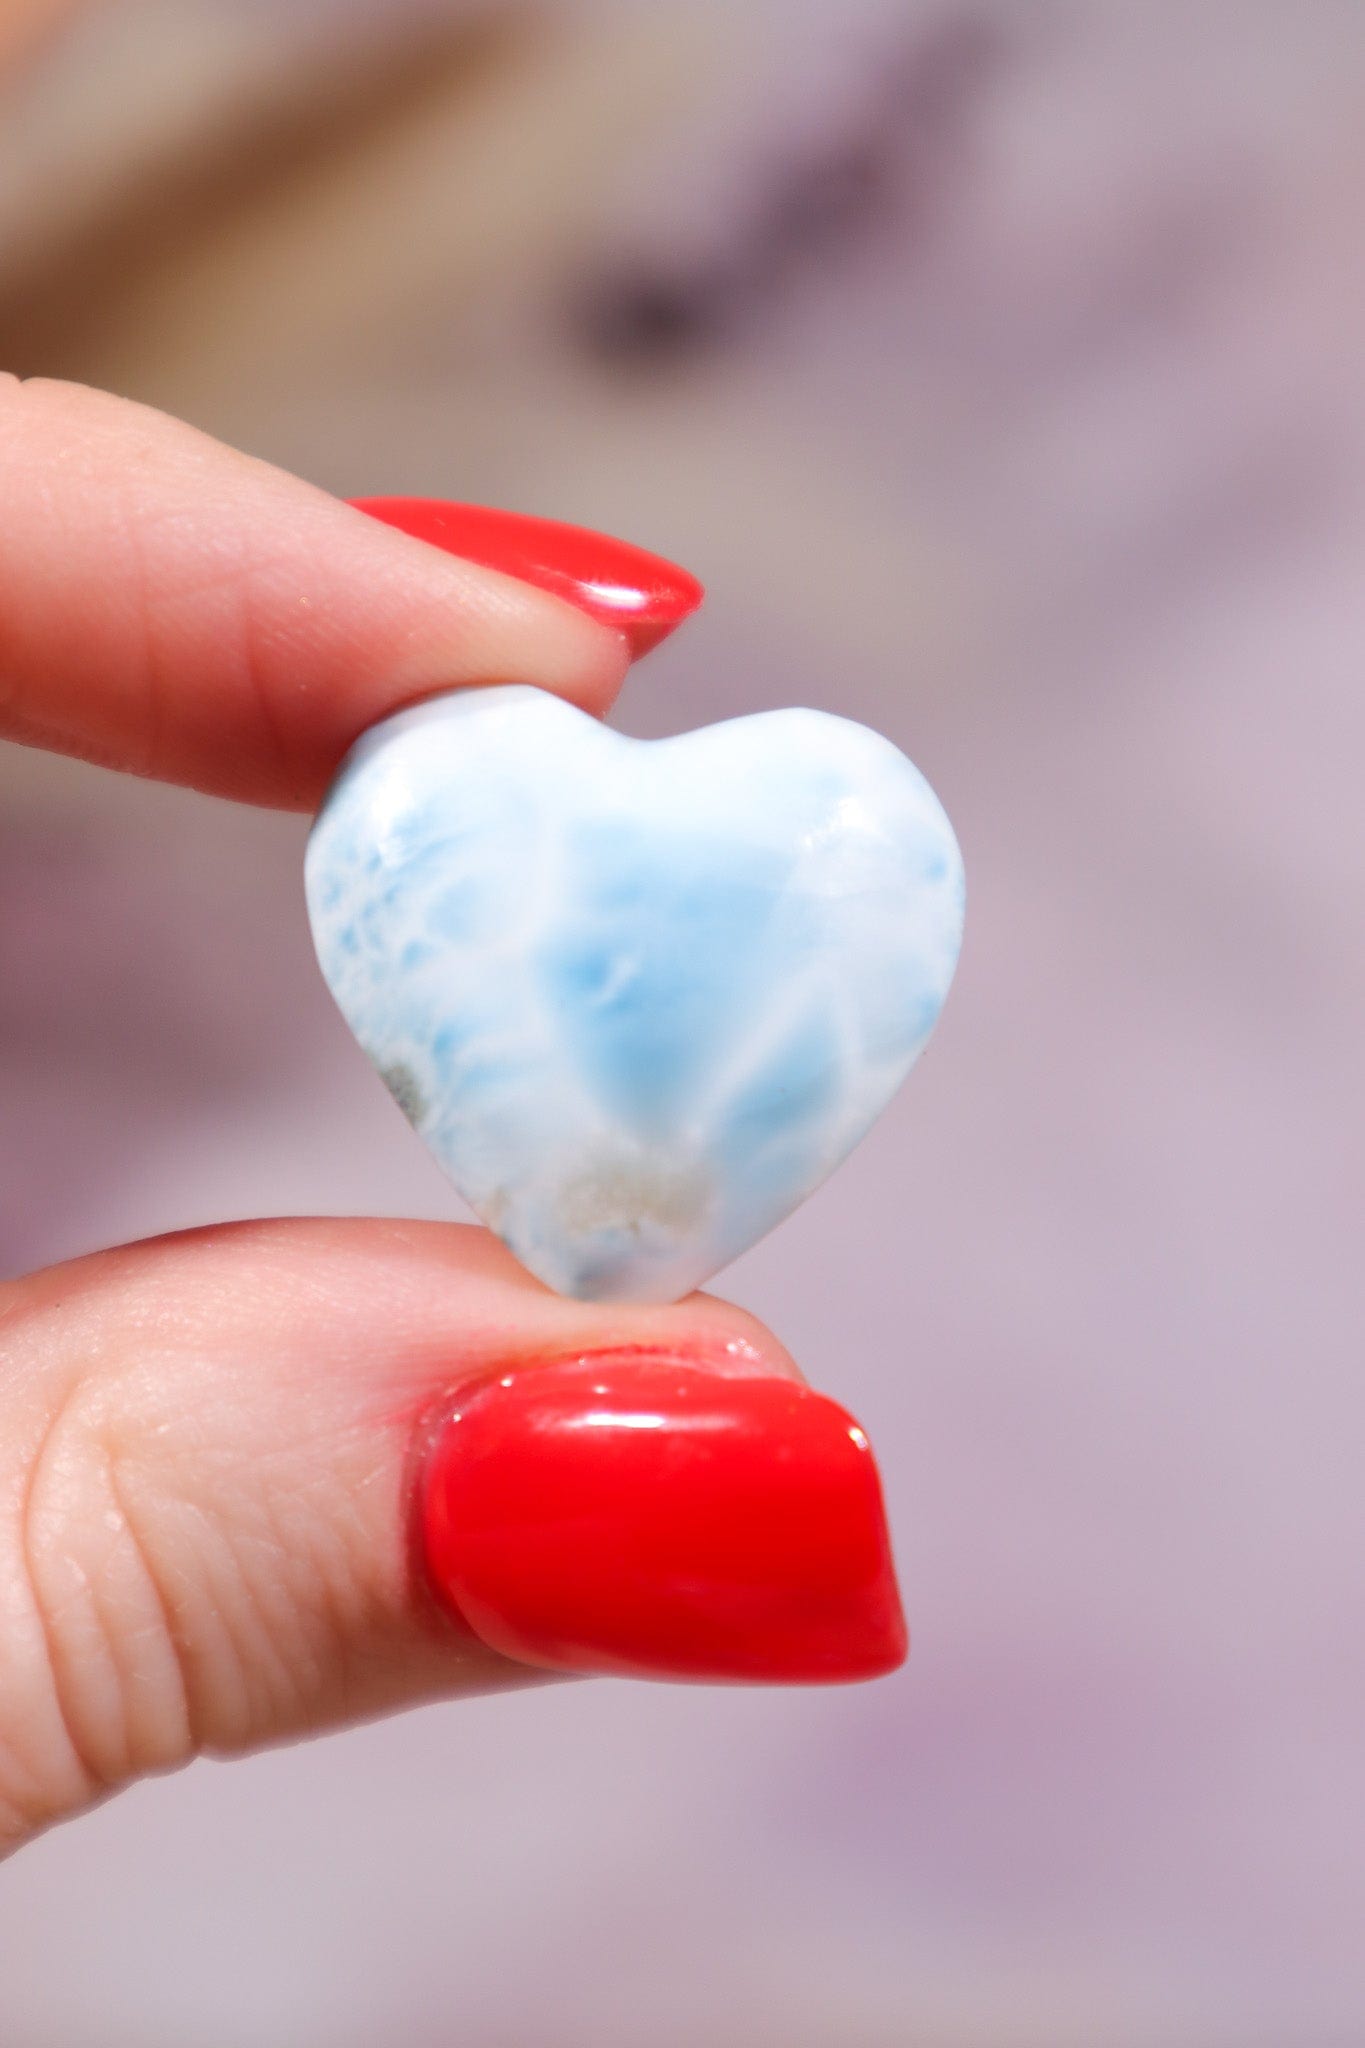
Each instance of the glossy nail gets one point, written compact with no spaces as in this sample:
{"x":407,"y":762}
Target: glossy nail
{"x":640,"y":594}
{"x":655,"y":1519}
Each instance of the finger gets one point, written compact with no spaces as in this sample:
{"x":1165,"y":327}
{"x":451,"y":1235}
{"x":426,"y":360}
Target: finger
{"x":170,"y":606}
{"x":268,"y":1478}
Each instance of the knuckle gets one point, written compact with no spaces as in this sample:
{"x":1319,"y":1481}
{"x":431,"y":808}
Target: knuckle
{"x":92,"y":1692}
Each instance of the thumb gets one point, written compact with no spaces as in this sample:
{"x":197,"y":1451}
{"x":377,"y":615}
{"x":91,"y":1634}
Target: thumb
{"x":264,"y":1479}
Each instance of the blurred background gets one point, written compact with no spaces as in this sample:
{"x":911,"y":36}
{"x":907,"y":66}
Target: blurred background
{"x":999,"y":368}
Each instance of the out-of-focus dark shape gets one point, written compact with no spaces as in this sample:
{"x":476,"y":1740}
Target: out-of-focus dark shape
{"x":832,"y":192}
{"x":642,"y":322}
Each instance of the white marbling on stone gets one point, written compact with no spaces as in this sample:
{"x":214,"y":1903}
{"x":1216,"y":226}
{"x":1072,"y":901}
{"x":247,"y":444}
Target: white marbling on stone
{"x":639,"y":997}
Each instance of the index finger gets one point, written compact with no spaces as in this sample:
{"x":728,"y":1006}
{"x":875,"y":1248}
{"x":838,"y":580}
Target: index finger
{"x":173,"y":607}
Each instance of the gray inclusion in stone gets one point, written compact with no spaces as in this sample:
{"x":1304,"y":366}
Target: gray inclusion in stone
{"x":631,"y":1194}
{"x":406,"y":1090}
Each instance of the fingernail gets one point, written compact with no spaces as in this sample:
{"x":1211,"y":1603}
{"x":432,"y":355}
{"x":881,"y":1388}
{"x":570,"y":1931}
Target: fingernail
{"x":658,"y":1520}
{"x":640,"y":594}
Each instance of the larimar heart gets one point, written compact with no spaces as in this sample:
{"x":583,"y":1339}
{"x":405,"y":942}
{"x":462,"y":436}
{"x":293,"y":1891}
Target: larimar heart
{"x":639,"y":997}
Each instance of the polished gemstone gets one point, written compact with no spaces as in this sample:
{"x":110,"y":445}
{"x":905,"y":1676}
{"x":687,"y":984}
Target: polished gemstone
{"x":639,"y":997}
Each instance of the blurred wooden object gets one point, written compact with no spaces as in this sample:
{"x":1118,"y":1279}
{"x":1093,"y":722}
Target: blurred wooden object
{"x":358,"y":242}
{"x":308,"y":209}
{"x":275,"y":165}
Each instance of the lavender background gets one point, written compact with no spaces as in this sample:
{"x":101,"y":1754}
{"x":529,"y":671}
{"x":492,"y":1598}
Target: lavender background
{"x":999,"y":368}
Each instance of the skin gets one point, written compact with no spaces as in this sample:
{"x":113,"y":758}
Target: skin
{"x":208,"y":1442}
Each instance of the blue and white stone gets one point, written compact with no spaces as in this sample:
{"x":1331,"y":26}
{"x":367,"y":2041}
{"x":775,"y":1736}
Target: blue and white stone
{"x":639,"y":997}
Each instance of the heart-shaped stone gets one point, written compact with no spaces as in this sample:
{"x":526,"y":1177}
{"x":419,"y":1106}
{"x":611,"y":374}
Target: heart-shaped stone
{"x":639,"y":997}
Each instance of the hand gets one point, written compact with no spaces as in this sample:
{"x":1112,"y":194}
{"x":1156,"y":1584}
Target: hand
{"x":264,"y":1479}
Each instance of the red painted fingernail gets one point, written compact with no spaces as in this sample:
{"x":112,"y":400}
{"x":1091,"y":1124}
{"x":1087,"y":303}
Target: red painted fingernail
{"x":640,"y":594}
{"x":658,"y":1520}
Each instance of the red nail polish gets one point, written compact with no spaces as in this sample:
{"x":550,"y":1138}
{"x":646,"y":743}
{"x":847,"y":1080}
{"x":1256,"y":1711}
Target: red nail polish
{"x":640,"y":594}
{"x":657,"y":1520}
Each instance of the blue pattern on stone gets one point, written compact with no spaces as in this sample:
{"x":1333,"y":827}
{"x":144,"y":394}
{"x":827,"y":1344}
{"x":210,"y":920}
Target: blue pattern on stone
{"x":639,"y":997}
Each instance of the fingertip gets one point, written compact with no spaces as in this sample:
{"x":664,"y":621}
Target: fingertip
{"x":642,"y":1515}
{"x":641,"y":595}
{"x":177,"y":608}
